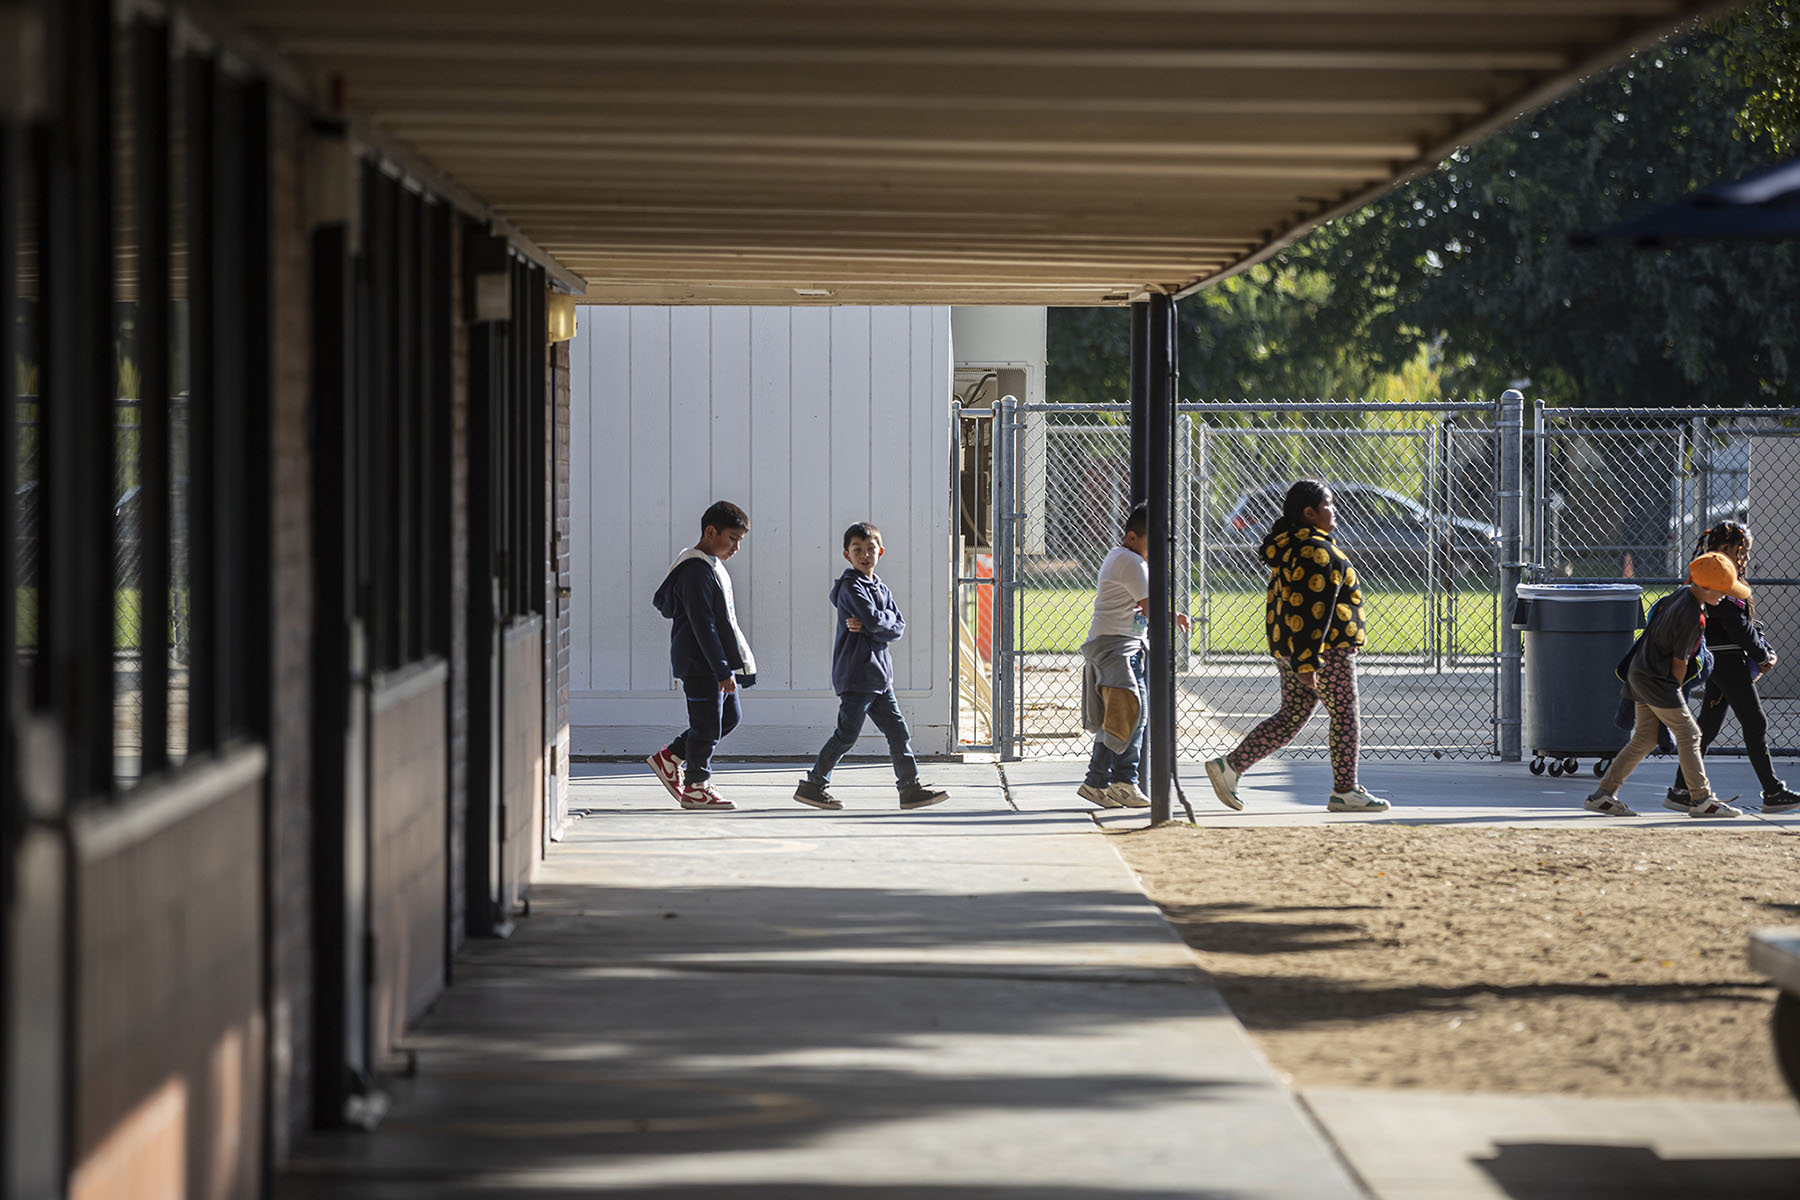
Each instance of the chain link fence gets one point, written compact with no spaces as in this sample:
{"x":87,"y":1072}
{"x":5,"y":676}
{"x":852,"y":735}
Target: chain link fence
{"x":128,"y":570}
{"x":1622,"y":495}
{"x":1415,"y":488}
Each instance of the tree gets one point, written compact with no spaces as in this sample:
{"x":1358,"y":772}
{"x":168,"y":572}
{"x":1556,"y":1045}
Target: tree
{"x":1470,"y":264}
{"x":1762,"y":50}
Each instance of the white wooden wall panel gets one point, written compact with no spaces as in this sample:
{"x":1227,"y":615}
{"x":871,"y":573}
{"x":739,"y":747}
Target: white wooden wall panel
{"x":599,"y":610}
{"x":581,"y":648}
{"x":809,"y":547}
{"x":811,"y":418}
{"x":770,"y":448}
{"x":890,"y":464}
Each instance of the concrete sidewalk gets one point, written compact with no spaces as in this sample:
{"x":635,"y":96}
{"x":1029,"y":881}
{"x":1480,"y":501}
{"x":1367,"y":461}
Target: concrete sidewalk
{"x":965,"y":1001}
{"x":1283,"y":792}
{"x":974,"y":1000}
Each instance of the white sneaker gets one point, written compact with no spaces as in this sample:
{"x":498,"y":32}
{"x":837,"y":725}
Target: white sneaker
{"x":1715,"y":807}
{"x":1357,"y":799}
{"x":1097,"y":795}
{"x":702,"y":797}
{"x":1608,"y":805}
{"x":1224,"y":781}
{"x":1127,"y":795}
{"x":668,"y":771}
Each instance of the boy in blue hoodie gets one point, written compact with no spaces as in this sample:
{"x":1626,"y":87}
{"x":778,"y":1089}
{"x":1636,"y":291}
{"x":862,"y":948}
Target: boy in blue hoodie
{"x":709,"y":654}
{"x":862,"y":674}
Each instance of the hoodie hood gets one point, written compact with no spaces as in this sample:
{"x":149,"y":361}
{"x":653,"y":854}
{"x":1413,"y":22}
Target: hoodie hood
{"x":847,"y":579}
{"x":665,"y":599}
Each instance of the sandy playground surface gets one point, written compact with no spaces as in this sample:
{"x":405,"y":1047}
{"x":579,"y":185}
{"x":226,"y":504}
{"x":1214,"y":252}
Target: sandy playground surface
{"x":1589,"y":962}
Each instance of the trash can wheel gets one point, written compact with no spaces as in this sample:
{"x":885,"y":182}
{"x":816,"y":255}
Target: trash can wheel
{"x":1571,"y":765}
{"x":1602,"y":767}
{"x":1785,"y":1026}
{"x":1537,"y":765}
{"x":1556,"y":769}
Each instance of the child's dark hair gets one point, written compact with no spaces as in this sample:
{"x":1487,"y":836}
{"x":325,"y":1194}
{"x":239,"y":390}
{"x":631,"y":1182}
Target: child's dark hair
{"x":1304,"y":494}
{"x":864,"y":530}
{"x":1138,"y":520}
{"x":1726,"y":538}
{"x":723,"y":515}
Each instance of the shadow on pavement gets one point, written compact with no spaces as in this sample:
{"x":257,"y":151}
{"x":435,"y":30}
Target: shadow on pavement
{"x":1549,"y":1171}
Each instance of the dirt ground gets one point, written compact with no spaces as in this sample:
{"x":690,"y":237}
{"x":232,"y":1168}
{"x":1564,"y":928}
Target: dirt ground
{"x":1589,"y":962}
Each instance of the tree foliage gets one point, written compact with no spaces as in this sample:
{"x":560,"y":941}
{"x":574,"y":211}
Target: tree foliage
{"x":1468,"y":269}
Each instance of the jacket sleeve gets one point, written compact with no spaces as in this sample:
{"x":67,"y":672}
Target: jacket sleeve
{"x":1318,"y":598}
{"x":696,"y":591}
{"x":881,"y":621}
{"x":1734,"y":622}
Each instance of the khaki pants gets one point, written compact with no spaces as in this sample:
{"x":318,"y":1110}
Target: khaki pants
{"x":1686,"y":732}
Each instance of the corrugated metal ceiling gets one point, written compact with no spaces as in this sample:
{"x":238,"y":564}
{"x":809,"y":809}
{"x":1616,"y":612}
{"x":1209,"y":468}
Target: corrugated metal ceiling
{"x":936,"y":151}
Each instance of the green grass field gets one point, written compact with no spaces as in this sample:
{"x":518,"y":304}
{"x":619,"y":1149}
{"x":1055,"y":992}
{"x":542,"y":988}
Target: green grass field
{"x":1055,"y":620}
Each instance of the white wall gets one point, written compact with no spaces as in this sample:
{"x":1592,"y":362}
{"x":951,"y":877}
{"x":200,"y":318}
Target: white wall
{"x":811,"y":418}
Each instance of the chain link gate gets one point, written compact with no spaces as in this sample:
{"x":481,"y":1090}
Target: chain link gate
{"x":1621,"y":495}
{"x":1416,"y":490}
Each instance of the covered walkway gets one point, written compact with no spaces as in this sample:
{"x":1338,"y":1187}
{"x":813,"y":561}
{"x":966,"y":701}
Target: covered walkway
{"x":967,"y":1001}
{"x":970,"y":1001}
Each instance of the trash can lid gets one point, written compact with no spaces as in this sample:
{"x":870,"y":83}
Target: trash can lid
{"x":1579,"y":593}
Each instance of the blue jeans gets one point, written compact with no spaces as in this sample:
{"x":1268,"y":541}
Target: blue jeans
{"x":711,"y":715}
{"x":1124,"y":767}
{"x":884,"y":710}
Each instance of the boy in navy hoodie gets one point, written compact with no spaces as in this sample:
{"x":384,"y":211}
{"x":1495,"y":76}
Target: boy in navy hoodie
{"x":709,"y":653}
{"x":862,"y":674}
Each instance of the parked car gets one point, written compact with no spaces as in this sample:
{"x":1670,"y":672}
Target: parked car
{"x":1381,"y":530}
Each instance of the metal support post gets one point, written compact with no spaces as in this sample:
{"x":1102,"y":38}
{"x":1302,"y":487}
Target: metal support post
{"x":1140,"y":399}
{"x":1006,"y":417}
{"x":1159,"y":433}
{"x":1541,"y":498}
{"x":956,"y":575}
{"x":1511,"y":495}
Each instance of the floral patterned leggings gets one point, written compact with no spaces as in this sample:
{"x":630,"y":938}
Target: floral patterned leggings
{"x":1337,"y":687}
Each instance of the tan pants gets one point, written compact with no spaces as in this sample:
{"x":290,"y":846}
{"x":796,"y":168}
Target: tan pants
{"x":1686,"y":732}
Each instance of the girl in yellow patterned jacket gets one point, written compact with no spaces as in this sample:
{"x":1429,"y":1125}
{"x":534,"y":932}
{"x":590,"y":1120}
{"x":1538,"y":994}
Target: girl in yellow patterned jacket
{"x":1315,"y":626}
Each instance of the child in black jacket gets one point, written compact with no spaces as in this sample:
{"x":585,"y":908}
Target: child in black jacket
{"x":708,"y":652}
{"x":1740,"y":657}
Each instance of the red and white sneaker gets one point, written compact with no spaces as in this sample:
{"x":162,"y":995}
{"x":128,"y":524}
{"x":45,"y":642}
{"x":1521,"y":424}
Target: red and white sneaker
{"x":701,"y":796}
{"x":668,"y":771}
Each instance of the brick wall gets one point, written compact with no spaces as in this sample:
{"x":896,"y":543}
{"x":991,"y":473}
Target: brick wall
{"x":290,"y":644}
{"x":407,"y":835}
{"x":169,"y":1029}
{"x":521,"y":758}
{"x":556,"y":663}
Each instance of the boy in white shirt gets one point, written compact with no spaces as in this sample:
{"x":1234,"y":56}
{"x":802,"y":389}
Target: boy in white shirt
{"x":1113,"y":689}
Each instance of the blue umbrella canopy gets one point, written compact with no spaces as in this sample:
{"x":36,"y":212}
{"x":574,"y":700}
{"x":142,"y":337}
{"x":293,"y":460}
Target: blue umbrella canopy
{"x":1761,"y":207}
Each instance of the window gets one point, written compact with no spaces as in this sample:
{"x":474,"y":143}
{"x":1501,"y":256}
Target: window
{"x":404,"y":379}
{"x":186,"y":498}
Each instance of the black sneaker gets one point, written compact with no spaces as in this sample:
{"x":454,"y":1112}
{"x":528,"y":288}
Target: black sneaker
{"x":1679,"y":799}
{"x":920,"y":795}
{"x":1780,"y":800}
{"x":808,"y":792}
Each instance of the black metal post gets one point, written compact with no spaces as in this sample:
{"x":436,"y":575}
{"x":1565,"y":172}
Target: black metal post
{"x":1140,"y":383}
{"x":151,"y":41}
{"x":75,"y":600}
{"x":1159,"y":428}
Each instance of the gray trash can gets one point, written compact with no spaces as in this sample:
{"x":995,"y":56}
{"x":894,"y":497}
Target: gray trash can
{"x":1575,"y":634}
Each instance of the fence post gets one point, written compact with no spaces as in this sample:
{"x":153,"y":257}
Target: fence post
{"x":1159,"y":719}
{"x":1511,"y":494}
{"x":1006,"y":569}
